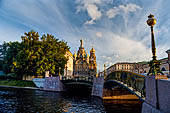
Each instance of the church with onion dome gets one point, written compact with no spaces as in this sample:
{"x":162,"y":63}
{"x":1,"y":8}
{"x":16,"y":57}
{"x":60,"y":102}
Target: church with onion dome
{"x":83,"y":64}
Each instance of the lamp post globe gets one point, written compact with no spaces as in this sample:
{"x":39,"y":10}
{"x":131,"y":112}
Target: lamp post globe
{"x":151,"y":20}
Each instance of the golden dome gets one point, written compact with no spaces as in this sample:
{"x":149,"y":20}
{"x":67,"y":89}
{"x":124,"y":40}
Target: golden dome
{"x":92,"y":50}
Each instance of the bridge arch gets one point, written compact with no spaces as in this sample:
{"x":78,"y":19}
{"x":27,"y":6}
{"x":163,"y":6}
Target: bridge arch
{"x":133,"y":82}
{"x":163,"y":69}
{"x":78,"y":85}
{"x":73,"y":82}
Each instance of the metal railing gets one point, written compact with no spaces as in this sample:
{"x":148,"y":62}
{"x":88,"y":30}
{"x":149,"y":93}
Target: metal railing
{"x":78,"y":78}
{"x":133,"y":81}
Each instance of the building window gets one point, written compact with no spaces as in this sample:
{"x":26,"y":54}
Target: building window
{"x":163,"y":69}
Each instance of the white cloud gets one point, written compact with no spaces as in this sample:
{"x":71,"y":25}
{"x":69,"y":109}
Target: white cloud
{"x":90,"y":22}
{"x":112,"y":12}
{"x":87,"y":2}
{"x":91,"y":7}
{"x":99,"y":34}
{"x":33,"y":14}
{"x":117,"y":48}
{"x":122,"y":9}
{"x":129,"y":8}
{"x":107,"y":57}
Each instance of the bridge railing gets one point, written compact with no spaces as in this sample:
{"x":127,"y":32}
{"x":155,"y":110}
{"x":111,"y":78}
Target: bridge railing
{"x":131,"y":80}
{"x":78,"y":78}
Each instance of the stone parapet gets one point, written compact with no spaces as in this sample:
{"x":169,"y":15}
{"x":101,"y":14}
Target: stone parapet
{"x":39,"y":82}
{"x":157,"y":95}
{"x":97,"y":89}
{"x":53,"y":84}
{"x":150,"y":90}
{"x":146,"y":108}
{"x":164,"y":95}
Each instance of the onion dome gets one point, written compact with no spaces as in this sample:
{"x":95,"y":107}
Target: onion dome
{"x":92,"y":50}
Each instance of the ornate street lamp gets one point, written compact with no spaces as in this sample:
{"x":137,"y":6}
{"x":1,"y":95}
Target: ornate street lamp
{"x":105,"y":71}
{"x":154,"y":63}
{"x":59,"y":71}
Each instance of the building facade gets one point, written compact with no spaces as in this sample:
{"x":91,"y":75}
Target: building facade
{"x":68,"y":71}
{"x":141,"y":68}
{"x":83,"y":64}
{"x":164,"y":65}
{"x":168,"y":52}
{"x":144,"y":67}
{"x":123,"y":66}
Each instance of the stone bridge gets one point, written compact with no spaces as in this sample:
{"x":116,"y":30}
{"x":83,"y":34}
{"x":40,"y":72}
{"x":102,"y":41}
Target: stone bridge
{"x":131,"y":81}
{"x":59,"y":84}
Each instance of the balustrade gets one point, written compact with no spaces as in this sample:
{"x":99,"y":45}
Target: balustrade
{"x":131,"y":80}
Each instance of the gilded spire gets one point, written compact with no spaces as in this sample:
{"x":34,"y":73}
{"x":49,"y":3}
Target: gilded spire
{"x":81,"y":43}
{"x":92,"y":49}
{"x":92,"y":45}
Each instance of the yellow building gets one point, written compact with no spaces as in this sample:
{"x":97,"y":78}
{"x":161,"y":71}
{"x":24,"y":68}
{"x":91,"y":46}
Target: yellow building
{"x":123,"y":66}
{"x":68,"y":71}
{"x":83,"y":64}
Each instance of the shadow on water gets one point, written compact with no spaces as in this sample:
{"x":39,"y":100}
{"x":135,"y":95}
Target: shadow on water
{"x":78,"y":90}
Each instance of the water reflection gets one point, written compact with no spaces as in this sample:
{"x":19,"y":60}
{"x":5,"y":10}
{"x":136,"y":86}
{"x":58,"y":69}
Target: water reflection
{"x":31,"y":101}
{"x":35,"y":101}
{"x":122,"y":106}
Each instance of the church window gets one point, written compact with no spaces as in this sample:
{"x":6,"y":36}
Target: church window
{"x":163,"y":69}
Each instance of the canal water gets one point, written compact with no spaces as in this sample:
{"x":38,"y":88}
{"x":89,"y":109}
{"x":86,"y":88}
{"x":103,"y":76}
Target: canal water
{"x":36,"y":101}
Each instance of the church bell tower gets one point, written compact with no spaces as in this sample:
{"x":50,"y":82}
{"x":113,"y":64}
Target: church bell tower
{"x":92,"y":62}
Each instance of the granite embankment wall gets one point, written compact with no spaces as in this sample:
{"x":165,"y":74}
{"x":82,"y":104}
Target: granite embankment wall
{"x":157,"y":96}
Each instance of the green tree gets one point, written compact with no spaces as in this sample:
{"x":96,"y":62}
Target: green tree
{"x":1,"y":65}
{"x":52,"y":56}
{"x":38,"y":55}
{"x":25,"y":62}
{"x":11,"y":50}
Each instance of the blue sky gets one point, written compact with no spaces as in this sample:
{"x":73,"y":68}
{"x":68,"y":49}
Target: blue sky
{"x":116,"y":28}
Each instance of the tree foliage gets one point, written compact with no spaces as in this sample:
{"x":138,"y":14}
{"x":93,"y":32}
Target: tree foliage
{"x":1,"y":65}
{"x":35,"y":55}
{"x":10,"y":50}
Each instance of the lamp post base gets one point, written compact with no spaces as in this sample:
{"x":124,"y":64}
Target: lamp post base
{"x":154,"y":68}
